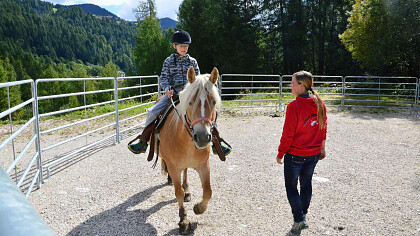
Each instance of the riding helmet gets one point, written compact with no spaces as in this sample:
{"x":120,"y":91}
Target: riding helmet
{"x":181,"y":37}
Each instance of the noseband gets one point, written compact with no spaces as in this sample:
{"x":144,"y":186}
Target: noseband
{"x":191,"y":124}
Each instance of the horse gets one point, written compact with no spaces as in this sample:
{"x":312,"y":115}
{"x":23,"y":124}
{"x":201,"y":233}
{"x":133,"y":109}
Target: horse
{"x":185,"y":140}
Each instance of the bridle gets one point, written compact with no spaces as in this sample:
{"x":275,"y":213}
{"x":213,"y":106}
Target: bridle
{"x":191,"y":124}
{"x":190,"y":128}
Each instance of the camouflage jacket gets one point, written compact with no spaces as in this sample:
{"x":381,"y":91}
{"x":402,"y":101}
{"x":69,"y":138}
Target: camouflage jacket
{"x":174,"y":71}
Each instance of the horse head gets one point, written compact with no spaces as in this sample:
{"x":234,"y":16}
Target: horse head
{"x":198,"y":102}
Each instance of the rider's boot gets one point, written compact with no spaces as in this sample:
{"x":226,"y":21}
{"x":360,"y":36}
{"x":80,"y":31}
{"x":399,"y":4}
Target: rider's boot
{"x":141,"y":146}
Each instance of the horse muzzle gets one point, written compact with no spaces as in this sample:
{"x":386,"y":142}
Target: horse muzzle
{"x":200,"y":128}
{"x":201,"y":138}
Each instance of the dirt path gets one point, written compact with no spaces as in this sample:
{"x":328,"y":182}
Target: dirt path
{"x":369,"y":184}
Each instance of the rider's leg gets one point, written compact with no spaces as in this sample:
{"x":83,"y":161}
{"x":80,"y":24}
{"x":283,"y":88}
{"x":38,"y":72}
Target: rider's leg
{"x":152,"y":114}
{"x":226,"y":150}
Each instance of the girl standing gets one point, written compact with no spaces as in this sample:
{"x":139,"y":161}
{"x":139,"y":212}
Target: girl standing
{"x":302,"y":144}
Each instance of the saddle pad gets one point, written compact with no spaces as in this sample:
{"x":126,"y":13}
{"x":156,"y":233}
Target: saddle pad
{"x":163,"y":115}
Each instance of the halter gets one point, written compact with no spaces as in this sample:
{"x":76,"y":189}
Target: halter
{"x":191,"y":124}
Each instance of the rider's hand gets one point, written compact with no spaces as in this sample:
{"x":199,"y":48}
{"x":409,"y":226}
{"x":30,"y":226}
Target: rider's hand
{"x":280,"y":161}
{"x":169,"y":93}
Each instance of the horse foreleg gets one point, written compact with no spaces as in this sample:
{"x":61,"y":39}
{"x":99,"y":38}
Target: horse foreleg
{"x":204,"y":172}
{"x":184,"y":224}
{"x":185,"y":185}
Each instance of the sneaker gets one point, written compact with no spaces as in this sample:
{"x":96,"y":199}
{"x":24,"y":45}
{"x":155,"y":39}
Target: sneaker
{"x":137,"y":148}
{"x":226,"y":150}
{"x":297,"y":227}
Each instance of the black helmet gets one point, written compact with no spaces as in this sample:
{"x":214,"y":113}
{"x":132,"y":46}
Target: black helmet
{"x":181,"y":37}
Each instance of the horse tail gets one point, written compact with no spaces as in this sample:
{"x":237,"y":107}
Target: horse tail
{"x":163,"y":168}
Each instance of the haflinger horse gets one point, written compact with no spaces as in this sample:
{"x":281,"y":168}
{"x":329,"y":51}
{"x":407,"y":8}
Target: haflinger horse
{"x":185,"y":140}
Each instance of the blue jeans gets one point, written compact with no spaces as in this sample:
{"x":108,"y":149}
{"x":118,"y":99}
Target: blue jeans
{"x":302,"y":168}
{"x":153,"y":112}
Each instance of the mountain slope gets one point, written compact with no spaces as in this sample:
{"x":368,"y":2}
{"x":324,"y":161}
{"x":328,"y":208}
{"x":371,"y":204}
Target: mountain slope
{"x":95,"y":10}
{"x":62,"y":34}
{"x":167,"y":23}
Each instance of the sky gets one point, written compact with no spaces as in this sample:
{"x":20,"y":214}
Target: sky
{"x":124,"y":8}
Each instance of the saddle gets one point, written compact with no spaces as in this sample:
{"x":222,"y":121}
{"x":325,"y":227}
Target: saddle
{"x":157,"y":125}
{"x":154,"y":129}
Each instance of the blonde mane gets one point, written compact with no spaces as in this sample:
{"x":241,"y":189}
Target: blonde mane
{"x":202,"y":87}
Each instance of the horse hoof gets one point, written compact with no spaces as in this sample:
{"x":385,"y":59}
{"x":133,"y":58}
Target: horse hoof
{"x":187,"y":197}
{"x":184,"y":227}
{"x":199,"y":210}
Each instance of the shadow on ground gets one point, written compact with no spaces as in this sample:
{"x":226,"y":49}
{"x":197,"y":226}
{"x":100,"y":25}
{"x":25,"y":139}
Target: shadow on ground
{"x":122,"y":221}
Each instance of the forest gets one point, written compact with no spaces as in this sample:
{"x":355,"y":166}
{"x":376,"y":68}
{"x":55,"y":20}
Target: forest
{"x":327,"y":37}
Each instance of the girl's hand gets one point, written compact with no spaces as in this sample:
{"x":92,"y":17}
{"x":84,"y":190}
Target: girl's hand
{"x":280,"y":161}
{"x":323,"y":154}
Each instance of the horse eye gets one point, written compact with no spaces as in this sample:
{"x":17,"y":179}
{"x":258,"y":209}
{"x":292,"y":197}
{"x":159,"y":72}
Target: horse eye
{"x":214,"y":102}
{"x":190,"y":103}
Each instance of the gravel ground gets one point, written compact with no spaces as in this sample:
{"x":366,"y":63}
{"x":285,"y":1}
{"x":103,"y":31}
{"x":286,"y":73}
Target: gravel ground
{"x":369,"y":184}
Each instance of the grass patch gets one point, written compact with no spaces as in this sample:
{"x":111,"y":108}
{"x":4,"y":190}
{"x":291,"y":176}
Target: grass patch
{"x":246,"y":98}
{"x":108,"y":108}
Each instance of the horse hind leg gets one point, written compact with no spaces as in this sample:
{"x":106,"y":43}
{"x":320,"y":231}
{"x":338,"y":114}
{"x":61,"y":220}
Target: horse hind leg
{"x":204,"y":173}
{"x":164,"y":171}
{"x":187,"y":197}
{"x":184,"y":224}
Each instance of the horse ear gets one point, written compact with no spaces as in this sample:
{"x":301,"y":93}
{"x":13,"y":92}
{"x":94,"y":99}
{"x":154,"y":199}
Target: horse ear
{"x":214,"y":76}
{"x":191,"y":74}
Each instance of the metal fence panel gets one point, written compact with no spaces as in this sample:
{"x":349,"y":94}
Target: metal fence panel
{"x":148,"y":88}
{"x":249,"y":90}
{"x":329,"y":88}
{"x":73,"y":131}
{"x":24,"y":157}
{"x":335,"y":91}
{"x":380,"y":92}
{"x":120,"y":95}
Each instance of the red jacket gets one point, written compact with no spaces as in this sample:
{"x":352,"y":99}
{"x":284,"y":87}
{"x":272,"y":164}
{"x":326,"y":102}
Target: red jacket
{"x":301,"y":134}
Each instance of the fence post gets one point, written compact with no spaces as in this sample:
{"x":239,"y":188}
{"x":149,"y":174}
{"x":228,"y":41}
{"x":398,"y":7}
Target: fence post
{"x":11,"y":130}
{"x":84,"y":103}
{"x":117,"y":123}
{"x":280,"y":91}
{"x":35,"y":112}
{"x":417,"y":95}
{"x":220,"y":90}
{"x":343,"y":92}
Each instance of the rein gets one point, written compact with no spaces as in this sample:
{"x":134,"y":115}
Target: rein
{"x":176,"y":110}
